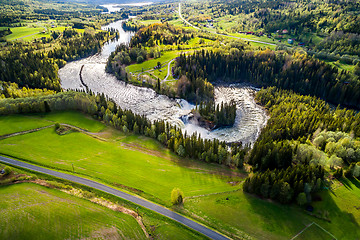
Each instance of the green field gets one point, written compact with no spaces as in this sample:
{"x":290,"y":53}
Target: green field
{"x":18,"y":123}
{"x":243,"y":214}
{"x":20,"y":32}
{"x":73,"y":118}
{"x":30,"y":211}
{"x":121,"y":162}
{"x":165,"y":57}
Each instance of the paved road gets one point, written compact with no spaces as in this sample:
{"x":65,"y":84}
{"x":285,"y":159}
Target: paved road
{"x":220,"y":34}
{"x":139,"y":201}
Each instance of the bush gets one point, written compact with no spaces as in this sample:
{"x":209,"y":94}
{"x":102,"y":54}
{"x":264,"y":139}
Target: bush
{"x":57,"y":126}
{"x":301,"y":199}
{"x":7,"y":170}
{"x":177,"y":196}
{"x":139,"y":59}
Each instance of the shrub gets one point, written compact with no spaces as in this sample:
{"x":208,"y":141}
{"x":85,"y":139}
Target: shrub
{"x":7,"y":170}
{"x":301,"y":199}
{"x":57,"y":126}
{"x":177,"y":196}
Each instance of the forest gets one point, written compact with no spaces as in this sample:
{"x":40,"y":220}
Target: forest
{"x":294,"y":71}
{"x":221,"y":115}
{"x":29,"y":67}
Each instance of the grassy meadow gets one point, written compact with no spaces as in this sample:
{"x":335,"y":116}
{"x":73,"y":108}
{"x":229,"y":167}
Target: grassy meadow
{"x":142,"y":166}
{"x":30,"y":211}
{"x":246,"y":215}
{"x":134,"y":163}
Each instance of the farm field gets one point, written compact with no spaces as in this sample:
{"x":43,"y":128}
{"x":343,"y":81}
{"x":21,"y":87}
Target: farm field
{"x":18,"y":123}
{"x":31,"y":207}
{"x":243,"y":214}
{"x":20,"y":32}
{"x":122,"y":162}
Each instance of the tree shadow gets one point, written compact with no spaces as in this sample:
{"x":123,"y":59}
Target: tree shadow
{"x":291,"y":219}
{"x":349,"y":182}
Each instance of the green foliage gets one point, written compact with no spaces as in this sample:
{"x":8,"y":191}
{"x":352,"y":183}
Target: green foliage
{"x":159,"y":33}
{"x":301,"y":199}
{"x":177,"y":196}
{"x":298,"y":72}
{"x":7,"y":170}
{"x":221,"y":115}
{"x":285,"y":185}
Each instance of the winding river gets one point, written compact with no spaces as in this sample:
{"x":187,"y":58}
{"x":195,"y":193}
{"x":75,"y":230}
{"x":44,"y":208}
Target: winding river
{"x":250,"y":117}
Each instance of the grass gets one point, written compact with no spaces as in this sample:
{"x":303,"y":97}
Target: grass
{"x":30,"y":211}
{"x":74,"y":118}
{"x":19,"y":32}
{"x":18,"y":123}
{"x":135,"y":163}
{"x":149,"y":22}
{"x":341,"y":66}
{"x":314,"y":232}
{"x":241,"y":213}
{"x":166,"y":56}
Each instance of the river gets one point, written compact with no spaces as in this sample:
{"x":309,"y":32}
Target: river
{"x":250,"y":117}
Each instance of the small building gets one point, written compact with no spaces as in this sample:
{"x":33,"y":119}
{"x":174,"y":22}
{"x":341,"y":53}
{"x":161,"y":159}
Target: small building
{"x":290,"y":41}
{"x":301,"y":44}
{"x":285,"y":31}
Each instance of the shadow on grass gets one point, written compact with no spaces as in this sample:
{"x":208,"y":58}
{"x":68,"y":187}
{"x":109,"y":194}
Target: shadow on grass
{"x":277,"y":221}
{"x":288,"y":220}
{"x":349,"y":183}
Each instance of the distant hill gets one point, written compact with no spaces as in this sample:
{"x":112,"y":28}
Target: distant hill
{"x":101,"y":2}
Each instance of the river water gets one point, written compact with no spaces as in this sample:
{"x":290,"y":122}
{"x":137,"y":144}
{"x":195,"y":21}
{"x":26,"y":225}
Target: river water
{"x":250,"y":117}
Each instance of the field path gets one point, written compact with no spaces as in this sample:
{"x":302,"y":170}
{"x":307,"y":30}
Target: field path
{"x":24,"y":132}
{"x":134,"y":199}
{"x":220,"y":34}
{"x":169,"y":70}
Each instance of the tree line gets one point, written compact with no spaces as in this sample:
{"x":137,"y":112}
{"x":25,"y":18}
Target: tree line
{"x":286,"y":185}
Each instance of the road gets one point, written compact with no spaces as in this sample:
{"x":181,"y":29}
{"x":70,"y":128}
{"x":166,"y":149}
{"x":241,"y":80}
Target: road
{"x":220,"y":34}
{"x":134,"y":199}
{"x":169,"y":70}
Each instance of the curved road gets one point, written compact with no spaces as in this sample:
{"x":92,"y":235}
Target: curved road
{"x":220,"y":34}
{"x":139,"y":201}
{"x":169,"y":70}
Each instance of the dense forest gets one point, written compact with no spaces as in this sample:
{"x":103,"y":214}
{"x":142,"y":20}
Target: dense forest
{"x":296,"y":71}
{"x":29,"y":67}
{"x":284,"y":150}
{"x":160,"y":33}
{"x":221,"y":115}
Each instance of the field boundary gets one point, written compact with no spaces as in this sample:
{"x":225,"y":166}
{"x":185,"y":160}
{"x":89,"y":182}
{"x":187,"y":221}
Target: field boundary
{"x":309,"y":225}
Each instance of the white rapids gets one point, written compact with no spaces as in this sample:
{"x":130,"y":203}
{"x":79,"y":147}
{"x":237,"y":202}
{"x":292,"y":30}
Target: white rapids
{"x":250,"y":117}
